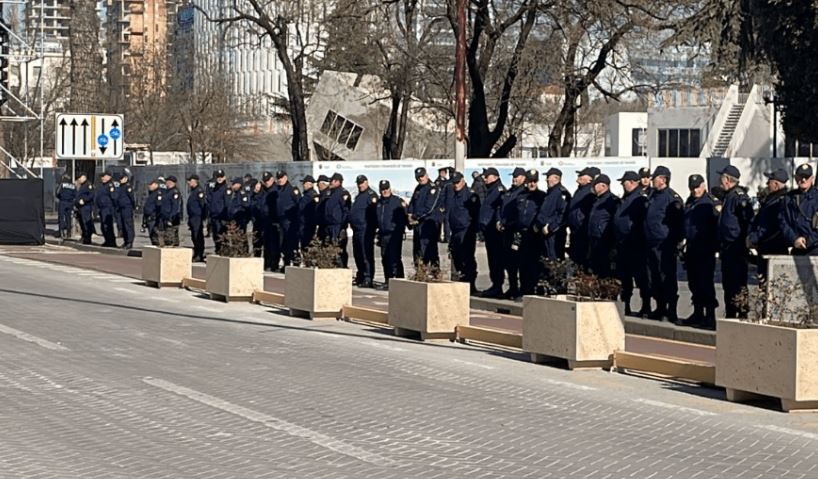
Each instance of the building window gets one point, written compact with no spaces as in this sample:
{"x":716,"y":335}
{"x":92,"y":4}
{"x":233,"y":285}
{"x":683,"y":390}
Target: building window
{"x":639,"y":142}
{"x":341,"y":130}
{"x":679,"y":143}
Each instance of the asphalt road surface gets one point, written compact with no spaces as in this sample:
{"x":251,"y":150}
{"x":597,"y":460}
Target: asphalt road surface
{"x":103,"y":377}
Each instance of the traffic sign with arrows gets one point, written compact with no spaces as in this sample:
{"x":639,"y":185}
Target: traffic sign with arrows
{"x":89,"y":136}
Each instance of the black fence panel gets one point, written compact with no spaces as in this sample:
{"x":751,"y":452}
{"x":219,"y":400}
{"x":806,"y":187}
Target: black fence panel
{"x":22,"y":216}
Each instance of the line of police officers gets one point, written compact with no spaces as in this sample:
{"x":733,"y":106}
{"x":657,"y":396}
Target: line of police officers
{"x":636,"y":239}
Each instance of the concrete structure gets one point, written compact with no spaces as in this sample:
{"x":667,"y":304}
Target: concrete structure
{"x":316,"y":292}
{"x":56,"y":15}
{"x":432,"y":309}
{"x":626,"y":134}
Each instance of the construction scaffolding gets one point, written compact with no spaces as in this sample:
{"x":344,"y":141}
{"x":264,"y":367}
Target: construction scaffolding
{"x":24,"y":49}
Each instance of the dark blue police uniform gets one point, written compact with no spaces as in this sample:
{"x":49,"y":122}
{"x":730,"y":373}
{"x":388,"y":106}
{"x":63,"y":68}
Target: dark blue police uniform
{"x":601,"y":234}
{"x":307,"y":208}
{"x":701,"y":243}
{"x":425,"y":209}
{"x":363,"y":220}
{"x":765,"y":232}
{"x":125,"y":205}
{"x":800,"y":220}
{"x":217,"y":211}
{"x":196,"y":214}
{"x":631,"y":266}
{"x":531,"y":237}
{"x":490,"y":209}
{"x":150,"y":215}
{"x":106,"y":207}
{"x":663,"y":229}
{"x":392,"y":220}
{"x":287,"y":198}
{"x":336,"y":213}
{"x":734,"y":222}
{"x":462,"y":210}
{"x":509,"y":221}
{"x":578,"y":210}
{"x":66,"y":195}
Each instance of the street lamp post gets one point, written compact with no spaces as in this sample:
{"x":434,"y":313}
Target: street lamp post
{"x":460,"y":89}
{"x":769,"y":98}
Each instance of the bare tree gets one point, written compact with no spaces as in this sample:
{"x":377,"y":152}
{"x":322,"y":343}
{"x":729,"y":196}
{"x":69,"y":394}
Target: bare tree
{"x":87,"y":79}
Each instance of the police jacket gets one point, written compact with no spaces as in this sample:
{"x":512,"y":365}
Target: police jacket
{"x":258,"y":206}
{"x":736,"y":214}
{"x":630,"y":218}
{"x":196,"y":205}
{"x":170,"y":206}
{"x":217,"y":200}
{"x":600,"y":218}
{"x":426,"y":203}
{"x":765,"y":233}
{"x":663,"y":217}
{"x":125,"y":202}
{"x":509,"y":212}
{"x":579,"y":208}
{"x":491,"y":206}
{"x":362,"y":214}
{"x":238,"y":206}
{"x":462,"y":209}
{"x":104,"y":197}
{"x":800,"y":217}
{"x":286,"y":199}
{"x":307,"y":206}
{"x":321,"y":206}
{"x":336,"y":211}
{"x":701,"y":220}
{"x":528,"y":206}
{"x":480,"y":189}
{"x":552,"y":212}
{"x":85,"y":195}
{"x":66,"y":194}
{"x":150,"y":210}
{"x":391,"y":216}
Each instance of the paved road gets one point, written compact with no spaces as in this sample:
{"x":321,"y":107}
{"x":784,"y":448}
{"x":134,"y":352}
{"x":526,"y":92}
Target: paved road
{"x":102,"y":377}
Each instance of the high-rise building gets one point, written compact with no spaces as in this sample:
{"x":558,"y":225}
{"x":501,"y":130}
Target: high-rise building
{"x":55,"y":15}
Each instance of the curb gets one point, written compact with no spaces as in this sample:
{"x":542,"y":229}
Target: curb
{"x":137,"y":253}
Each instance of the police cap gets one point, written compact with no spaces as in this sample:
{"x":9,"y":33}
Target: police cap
{"x":591,"y":171}
{"x":490,"y":171}
{"x":803,"y":171}
{"x":360,"y":179}
{"x":266,"y":176}
{"x":661,"y":171}
{"x":218,"y":174}
{"x":553,"y":171}
{"x":644,"y":172}
{"x":694,"y":181}
{"x":337,"y":177}
{"x":630,"y":176}
{"x":193,"y":177}
{"x":280,"y":174}
{"x":105,"y":173}
{"x":730,"y":170}
{"x":778,"y":175}
{"x":323,"y":178}
{"x":125,"y":174}
{"x":237,"y":180}
{"x":420,"y":172}
{"x":384,"y":185}
{"x":153,"y":181}
{"x":171,"y":178}
{"x":518,"y":172}
{"x":532,"y":175}
{"x":602,"y":178}
{"x":457,"y":177}
{"x":443,"y":168}
{"x":308,"y":179}
{"x":475,"y":174}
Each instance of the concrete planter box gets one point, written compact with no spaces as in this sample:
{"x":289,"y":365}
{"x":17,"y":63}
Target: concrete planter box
{"x":166,"y":266}
{"x":317,"y":293}
{"x":432,"y":309}
{"x":759,"y":359}
{"x":585,"y":333}
{"x":234,"y":279}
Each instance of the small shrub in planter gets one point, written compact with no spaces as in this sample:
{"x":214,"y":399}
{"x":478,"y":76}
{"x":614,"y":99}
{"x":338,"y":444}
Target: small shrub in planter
{"x":580,"y":323}
{"x":774,"y":352}
{"x":427,"y":304}
{"x":319,"y":288}
{"x":234,"y":274}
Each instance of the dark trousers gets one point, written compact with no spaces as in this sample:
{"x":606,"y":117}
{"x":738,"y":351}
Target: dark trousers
{"x":272,"y":244}
{"x":462,"y":245}
{"x":560,"y":238}
{"x":424,"y":243}
{"x":363,"y":251}
{"x":662,"y":273}
{"x":578,"y":252}
{"x":106,"y":223}
{"x":65,"y":220}
{"x":337,"y":235}
{"x":734,"y":270}
{"x":86,"y":223}
{"x":306,"y":234}
{"x":258,"y":238}
{"x":494,"y":251}
{"x":125,"y":226}
{"x":511,"y":251}
{"x":217,"y":228}
{"x":701,"y":268}
{"x":392,"y":255}
{"x":631,"y":269}
{"x":599,"y":257}
{"x":289,"y":241}
{"x":531,"y":252}
{"x":197,"y":236}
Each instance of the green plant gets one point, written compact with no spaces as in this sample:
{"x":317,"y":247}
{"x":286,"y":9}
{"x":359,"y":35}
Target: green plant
{"x":234,"y":242}
{"x":321,"y":255}
{"x":426,"y":273}
{"x":777,"y":302}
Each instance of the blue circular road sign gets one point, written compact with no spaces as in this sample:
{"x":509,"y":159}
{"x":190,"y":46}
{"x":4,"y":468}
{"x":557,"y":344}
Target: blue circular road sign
{"x":102,"y":140}
{"x":114,"y":133}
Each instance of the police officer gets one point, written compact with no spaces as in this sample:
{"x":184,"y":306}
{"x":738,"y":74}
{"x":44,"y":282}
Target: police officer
{"x":601,"y":234}
{"x":217,"y":207}
{"x":125,"y":205}
{"x":701,"y":219}
{"x":630,"y":243}
{"x":392,"y":220}
{"x":336,"y":213}
{"x":490,"y":209}
{"x":320,"y":207}
{"x":553,"y":215}
{"x":443,"y":183}
{"x":196,"y":214}
{"x":645,"y":180}
{"x":266,"y":209}
{"x":238,"y":210}
{"x":478,"y":185}
{"x":106,"y":207}
{"x":150,"y":211}
{"x":765,"y":235}
{"x":66,"y":195}
{"x":177,"y":209}
{"x":462,"y":209}
{"x":509,"y":226}
{"x":425,"y":217}
{"x":363,"y":220}
{"x":258,"y":213}
{"x":529,"y":203}
{"x":286,"y":216}
{"x":799,"y":223}
{"x":663,"y":228}
{"x":578,"y":210}
{"x":307,"y":206}
{"x":734,"y":223}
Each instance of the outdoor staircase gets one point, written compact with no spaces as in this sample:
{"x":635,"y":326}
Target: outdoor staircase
{"x":727,"y":130}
